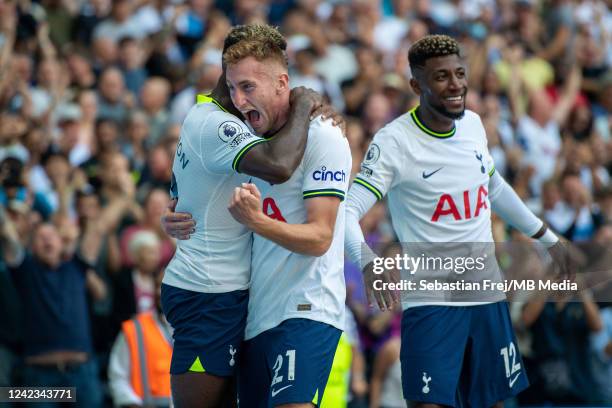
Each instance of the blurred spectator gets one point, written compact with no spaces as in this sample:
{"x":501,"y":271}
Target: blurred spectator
{"x":89,"y":16}
{"x":206,"y":78}
{"x":119,"y":23}
{"x":139,"y":367}
{"x":559,"y":31}
{"x":386,"y":383}
{"x":82,"y":76}
{"x":134,"y":147}
{"x":602,"y":348}
{"x":134,"y":288}
{"x":13,"y":187}
{"x":12,"y":129}
{"x":52,"y":281}
{"x":538,"y":128}
{"x":114,"y":100}
{"x":153,"y":99}
{"x":587,"y":218}
{"x":88,"y":104}
{"x":368,"y":78}
{"x":11,"y":334}
{"x":377,"y":113}
{"x":105,"y":54}
{"x":132,"y":58}
{"x":306,"y":75}
{"x":69,"y":142}
{"x":158,"y":170}
{"x":561,"y":331}
{"x":106,"y":138}
{"x":154,"y":204}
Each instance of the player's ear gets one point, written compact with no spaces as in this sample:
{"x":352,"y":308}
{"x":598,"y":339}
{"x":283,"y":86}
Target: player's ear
{"x":416,"y":87}
{"x":282,"y":83}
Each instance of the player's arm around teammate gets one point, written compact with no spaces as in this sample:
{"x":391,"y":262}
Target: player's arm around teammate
{"x":273,"y":160}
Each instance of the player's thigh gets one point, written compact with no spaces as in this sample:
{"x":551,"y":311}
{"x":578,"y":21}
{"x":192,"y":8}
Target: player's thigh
{"x":496,"y":370}
{"x":202,"y":390}
{"x":287,"y":365}
{"x":300,"y":361}
{"x":254,"y":374}
{"x":434,"y":339}
{"x":208,"y":330}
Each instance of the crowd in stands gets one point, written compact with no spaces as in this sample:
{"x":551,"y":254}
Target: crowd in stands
{"x":92,"y":96}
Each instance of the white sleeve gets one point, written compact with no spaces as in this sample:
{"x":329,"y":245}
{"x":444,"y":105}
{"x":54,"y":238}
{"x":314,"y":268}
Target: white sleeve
{"x":487,"y":161}
{"x":508,"y":205}
{"x":327,"y":162}
{"x":119,"y":374}
{"x":358,"y":203}
{"x":381,"y":165}
{"x":224,"y":141}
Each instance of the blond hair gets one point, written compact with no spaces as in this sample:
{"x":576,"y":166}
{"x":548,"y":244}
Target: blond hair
{"x":259,"y":41}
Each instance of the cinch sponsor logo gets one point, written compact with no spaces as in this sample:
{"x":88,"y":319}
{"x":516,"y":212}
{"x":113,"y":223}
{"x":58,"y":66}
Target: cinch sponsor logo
{"x":328,"y":175}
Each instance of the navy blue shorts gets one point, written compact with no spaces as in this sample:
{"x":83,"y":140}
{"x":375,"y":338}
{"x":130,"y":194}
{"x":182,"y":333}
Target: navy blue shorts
{"x":460,"y":356}
{"x":208,"y":329}
{"x":287,"y":364}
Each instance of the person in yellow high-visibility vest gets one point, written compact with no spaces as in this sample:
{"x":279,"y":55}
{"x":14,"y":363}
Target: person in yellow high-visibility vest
{"x":346,"y":381}
{"x":337,"y":388}
{"x":139,"y":366}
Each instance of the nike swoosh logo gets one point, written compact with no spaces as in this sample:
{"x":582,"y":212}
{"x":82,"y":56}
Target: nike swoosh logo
{"x":425,"y":176}
{"x":513,"y":380}
{"x":275,"y":393}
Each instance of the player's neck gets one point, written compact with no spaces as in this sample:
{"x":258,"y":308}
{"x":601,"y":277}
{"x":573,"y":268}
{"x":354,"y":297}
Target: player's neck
{"x":433,"y":120}
{"x":282,"y":117}
{"x":221,"y":95}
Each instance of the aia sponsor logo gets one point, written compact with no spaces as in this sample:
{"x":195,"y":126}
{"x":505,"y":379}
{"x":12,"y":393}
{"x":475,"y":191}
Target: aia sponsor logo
{"x":462,"y":210}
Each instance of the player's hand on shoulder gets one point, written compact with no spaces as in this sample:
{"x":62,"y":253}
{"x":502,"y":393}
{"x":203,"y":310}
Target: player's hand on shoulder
{"x":178,"y":225}
{"x":376,"y":287}
{"x":328,"y":112}
{"x":245,"y":205}
{"x":318,"y":106}
{"x":305,"y":97}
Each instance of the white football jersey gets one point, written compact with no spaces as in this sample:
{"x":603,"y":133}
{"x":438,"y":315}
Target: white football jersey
{"x":437,"y":183}
{"x":437,"y":188}
{"x":286,"y":284}
{"x":217,"y":257}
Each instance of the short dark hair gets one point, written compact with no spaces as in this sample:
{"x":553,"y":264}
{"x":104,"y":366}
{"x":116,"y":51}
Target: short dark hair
{"x":431,"y":46}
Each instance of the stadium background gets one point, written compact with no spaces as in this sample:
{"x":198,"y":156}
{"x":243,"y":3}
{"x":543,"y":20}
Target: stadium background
{"x":92,"y":96}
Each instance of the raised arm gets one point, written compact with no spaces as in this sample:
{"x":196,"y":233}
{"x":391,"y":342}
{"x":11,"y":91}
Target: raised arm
{"x":12,"y":250}
{"x":566,"y":101}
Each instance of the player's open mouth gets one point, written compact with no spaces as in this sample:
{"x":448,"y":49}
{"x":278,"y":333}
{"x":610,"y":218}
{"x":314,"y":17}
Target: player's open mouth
{"x":253,"y":117}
